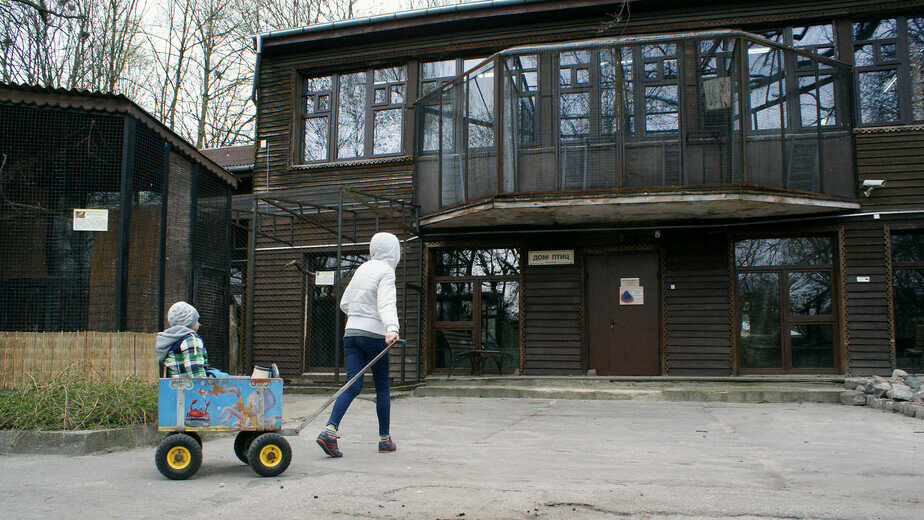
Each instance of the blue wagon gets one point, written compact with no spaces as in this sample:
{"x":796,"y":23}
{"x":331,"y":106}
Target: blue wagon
{"x":252,"y":407}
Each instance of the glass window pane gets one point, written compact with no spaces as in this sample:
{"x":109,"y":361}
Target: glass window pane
{"x":527,"y":120}
{"x":397,"y":94}
{"x":351,"y":121}
{"x":438,"y":69}
{"x":583,"y":76}
{"x":564,"y":76}
{"x":446,"y":340}
{"x":816,"y":101}
{"x":784,"y":251}
{"x":661,"y":109}
{"x":318,"y":84}
{"x":500,"y":320}
{"x":908,"y":306}
{"x":759,"y":310}
{"x":431,"y":129}
{"x":380,"y":96}
{"x":908,"y":247}
{"x":875,"y":29}
{"x":670,"y":69}
{"x":387,"y":132}
{"x":660,"y":50}
{"x":878,"y":96}
{"x":323,"y":103}
{"x":813,"y":36}
{"x":887,"y":52}
{"x":477,"y":262}
{"x":812,"y":345}
{"x":481,"y":110}
{"x":810,"y":293}
{"x":575,"y":104}
{"x":470,"y":63}
{"x":863,"y":56}
{"x":574,"y":58}
{"x":390,"y":75}
{"x":309,"y":104}
{"x":316,"y":139}
{"x":767,"y":93}
{"x":454,"y":301}
{"x":916,"y":65}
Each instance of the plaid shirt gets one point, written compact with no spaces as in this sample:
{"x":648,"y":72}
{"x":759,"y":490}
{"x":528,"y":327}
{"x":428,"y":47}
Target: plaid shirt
{"x":190,"y":361}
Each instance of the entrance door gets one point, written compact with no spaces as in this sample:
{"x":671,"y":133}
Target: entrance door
{"x":623,"y":323}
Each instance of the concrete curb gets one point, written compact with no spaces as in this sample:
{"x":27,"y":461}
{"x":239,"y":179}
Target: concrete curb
{"x":750,"y":395}
{"x":78,"y":442}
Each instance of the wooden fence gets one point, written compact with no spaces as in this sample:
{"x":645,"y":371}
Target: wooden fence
{"x":25,"y":356}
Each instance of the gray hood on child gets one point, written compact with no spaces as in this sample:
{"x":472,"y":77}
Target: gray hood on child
{"x":167,"y":338}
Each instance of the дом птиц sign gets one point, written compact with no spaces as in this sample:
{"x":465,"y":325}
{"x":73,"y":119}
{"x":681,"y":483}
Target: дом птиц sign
{"x":560,"y":257}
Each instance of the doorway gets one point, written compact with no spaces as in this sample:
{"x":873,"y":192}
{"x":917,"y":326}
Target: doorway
{"x":623,"y":301}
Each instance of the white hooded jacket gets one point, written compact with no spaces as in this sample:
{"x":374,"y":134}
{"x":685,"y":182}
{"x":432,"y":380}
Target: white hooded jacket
{"x":370,"y":299}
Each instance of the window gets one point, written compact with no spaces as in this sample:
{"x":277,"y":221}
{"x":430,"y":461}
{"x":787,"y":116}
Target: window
{"x":785,"y":304}
{"x":522,"y":84}
{"x":789,"y":91}
{"x":353,"y":116}
{"x":433,"y":75}
{"x":477,"y":301}
{"x":907,"y":293}
{"x":888,"y":59}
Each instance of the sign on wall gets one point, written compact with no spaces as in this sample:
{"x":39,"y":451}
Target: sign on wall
{"x":91,"y":220}
{"x":632,"y":295}
{"x":718,"y":93}
{"x":324,"y":278}
{"x":558,"y":257}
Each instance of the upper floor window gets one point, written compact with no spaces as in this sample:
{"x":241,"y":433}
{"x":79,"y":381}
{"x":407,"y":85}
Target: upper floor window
{"x":788,"y":90}
{"x":888,"y":61}
{"x":353,"y":116}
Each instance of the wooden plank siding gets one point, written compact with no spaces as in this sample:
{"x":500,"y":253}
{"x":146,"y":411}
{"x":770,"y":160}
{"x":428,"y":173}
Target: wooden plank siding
{"x":552,"y":320}
{"x":869,"y":349}
{"x":696,"y":314}
{"x":896,"y":156}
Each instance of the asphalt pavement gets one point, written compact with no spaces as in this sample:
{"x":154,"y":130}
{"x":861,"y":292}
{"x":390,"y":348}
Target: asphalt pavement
{"x":465,"y":458}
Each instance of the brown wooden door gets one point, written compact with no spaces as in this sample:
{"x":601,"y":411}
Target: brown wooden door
{"x":623,"y":338}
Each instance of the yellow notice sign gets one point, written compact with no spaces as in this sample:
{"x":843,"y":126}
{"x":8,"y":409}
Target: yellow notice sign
{"x":91,"y":220}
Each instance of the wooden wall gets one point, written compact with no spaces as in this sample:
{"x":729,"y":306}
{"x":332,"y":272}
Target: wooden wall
{"x":697,"y":322}
{"x":553,"y":319}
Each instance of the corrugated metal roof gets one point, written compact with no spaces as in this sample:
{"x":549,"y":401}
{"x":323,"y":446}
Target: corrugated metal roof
{"x":52,"y":97}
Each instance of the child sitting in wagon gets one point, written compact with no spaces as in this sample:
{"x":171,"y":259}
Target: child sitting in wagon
{"x":179,"y":349}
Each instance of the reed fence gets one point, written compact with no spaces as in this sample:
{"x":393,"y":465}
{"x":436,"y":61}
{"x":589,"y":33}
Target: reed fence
{"x":40,"y":356}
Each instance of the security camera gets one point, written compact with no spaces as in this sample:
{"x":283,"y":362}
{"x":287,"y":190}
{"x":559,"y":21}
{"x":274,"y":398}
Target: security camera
{"x":872,"y":184}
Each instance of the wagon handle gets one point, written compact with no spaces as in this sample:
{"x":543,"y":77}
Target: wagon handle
{"x":343,"y":388}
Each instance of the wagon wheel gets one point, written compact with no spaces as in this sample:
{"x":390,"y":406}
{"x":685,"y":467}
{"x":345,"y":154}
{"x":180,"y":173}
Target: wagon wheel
{"x":242,"y":444}
{"x":194,"y":435}
{"x":178,"y":457}
{"x":269,"y":455}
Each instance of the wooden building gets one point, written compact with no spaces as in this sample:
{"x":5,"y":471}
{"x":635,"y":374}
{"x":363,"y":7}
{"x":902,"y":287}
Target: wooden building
{"x":644,"y":188}
{"x":108,"y":218}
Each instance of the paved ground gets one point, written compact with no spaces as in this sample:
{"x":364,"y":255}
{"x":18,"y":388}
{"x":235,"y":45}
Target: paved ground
{"x":521,"y":458}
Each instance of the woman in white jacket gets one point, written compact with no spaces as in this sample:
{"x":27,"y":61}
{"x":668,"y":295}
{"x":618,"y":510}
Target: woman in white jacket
{"x":372,"y":324}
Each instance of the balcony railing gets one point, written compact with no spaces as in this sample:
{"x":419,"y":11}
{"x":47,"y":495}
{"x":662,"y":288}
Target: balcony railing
{"x":696,"y":110}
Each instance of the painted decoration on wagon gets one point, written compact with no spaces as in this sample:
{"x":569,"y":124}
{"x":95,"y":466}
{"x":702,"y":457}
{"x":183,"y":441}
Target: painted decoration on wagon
{"x":237,"y":403}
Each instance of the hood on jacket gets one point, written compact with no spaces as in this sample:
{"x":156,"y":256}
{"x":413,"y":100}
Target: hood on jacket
{"x":167,"y":338}
{"x":385,"y":247}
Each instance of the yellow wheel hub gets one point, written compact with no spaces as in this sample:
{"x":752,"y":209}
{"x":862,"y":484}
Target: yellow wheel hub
{"x":178,"y":457}
{"x":270,"y":455}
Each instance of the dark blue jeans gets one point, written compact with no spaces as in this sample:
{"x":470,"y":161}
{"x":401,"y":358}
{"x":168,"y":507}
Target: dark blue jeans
{"x":359,"y":351}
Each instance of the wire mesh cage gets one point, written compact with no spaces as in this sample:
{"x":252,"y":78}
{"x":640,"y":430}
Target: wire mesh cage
{"x":103,"y":226}
{"x":305,"y":248}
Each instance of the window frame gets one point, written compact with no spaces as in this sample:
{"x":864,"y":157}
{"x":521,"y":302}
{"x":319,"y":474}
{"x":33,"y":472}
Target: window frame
{"x":475,"y":325}
{"x":787,"y":319}
{"x":895,"y":266}
{"x":370,"y":109}
{"x":901,"y":66}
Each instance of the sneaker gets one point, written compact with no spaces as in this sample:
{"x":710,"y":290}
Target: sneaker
{"x":387,"y":446}
{"x":328,"y":442}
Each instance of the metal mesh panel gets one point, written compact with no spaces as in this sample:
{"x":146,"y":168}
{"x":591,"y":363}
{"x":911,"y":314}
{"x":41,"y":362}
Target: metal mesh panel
{"x":307,"y":247}
{"x":211,"y":257}
{"x":53,"y":161}
{"x":145,"y":233}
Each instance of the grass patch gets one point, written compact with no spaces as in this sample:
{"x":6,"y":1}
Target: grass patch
{"x":78,"y":401}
